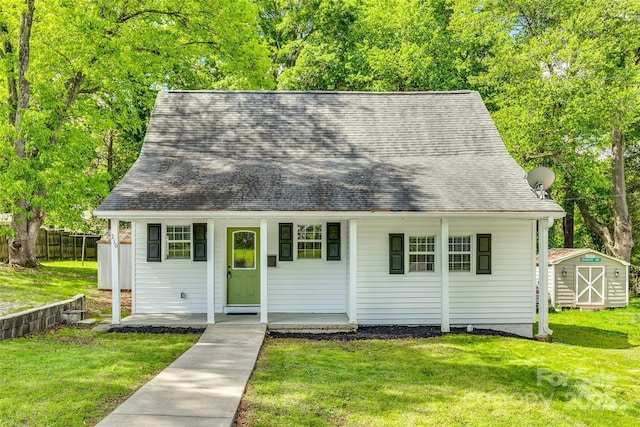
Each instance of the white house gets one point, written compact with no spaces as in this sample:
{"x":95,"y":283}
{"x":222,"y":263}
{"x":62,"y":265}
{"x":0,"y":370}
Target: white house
{"x":387,"y":208}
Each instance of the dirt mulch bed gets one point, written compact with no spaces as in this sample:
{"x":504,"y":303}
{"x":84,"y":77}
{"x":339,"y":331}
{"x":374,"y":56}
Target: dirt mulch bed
{"x":156,"y":330}
{"x":100,"y":301}
{"x":389,"y":333}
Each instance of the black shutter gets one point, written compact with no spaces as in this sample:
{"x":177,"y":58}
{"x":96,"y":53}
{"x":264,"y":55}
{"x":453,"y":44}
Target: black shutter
{"x":200,"y":242}
{"x":333,"y":241}
{"x":286,"y":242}
{"x":396,"y":253}
{"x":483,"y":254}
{"x":154,"y":247}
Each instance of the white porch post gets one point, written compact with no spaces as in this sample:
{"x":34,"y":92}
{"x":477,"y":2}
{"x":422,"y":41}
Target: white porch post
{"x":352,"y":306}
{"x":211,"y":292}
{"x":543,"y":278}
{"x":264,"y":317}
{"x":444,"y":274}
{"x":115,"y":271}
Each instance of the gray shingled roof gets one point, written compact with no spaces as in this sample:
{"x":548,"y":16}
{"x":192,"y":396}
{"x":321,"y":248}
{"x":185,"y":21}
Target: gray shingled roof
{"x":323,"y":151}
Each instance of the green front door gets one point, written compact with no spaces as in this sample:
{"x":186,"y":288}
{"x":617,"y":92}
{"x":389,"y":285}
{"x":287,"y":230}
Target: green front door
{"x":243,"y":266}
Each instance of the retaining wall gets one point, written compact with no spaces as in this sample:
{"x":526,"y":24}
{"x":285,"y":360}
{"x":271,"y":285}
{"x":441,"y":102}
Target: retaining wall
{"x":38,"y":319}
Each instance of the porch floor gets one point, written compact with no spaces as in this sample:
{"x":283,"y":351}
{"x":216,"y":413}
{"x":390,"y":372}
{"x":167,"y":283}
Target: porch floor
{"x":291,"y":322}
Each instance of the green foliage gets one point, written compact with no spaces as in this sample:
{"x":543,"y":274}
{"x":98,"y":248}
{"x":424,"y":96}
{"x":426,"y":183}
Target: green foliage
{"x":559,"y":77}
{"x":94,"y":70}
{"x":367,"y":45}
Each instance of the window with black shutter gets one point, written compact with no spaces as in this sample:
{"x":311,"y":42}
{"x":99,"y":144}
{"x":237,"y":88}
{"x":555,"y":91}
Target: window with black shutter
{"x":285,"y":250}
{"x":200,"y":242}
{"x":483,"y":254}
{"x":154,"y":247}
{"x":333,"y":241}
{"x":396,"y":253}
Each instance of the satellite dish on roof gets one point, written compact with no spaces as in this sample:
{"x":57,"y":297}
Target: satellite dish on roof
{"x":541,"y":179}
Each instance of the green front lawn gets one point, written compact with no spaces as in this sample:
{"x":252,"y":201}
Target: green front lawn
{"x":24,"y":288}
{"x":459,"y":380}
{"x":73,"y":377}
{"x":70,"y":376}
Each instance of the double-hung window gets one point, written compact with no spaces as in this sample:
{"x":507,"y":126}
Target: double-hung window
{"x":422,"y":251}
{"x":460,"y":253}
{"x":310,"y":241}
{"x":178,"y":241}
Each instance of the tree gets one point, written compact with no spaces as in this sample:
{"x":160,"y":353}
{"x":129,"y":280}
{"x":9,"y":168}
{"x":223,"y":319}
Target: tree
{"x":563,"y":80}
{"x":74,"y":72}
{"x":369,"y":45}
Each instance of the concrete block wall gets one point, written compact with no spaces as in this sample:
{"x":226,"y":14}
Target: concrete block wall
{"x":38,"y":319}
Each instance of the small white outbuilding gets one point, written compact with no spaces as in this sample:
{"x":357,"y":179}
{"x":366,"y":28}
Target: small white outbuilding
{"x":585,"y":278}
{"x":104,"y":260}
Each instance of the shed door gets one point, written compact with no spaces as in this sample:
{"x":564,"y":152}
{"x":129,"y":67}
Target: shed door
{"x":590,"y":285}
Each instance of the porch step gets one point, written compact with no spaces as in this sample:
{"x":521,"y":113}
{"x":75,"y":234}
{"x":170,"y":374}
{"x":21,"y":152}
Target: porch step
{"x":312,"y":328}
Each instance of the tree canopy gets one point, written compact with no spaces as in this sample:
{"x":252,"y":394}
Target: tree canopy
{"x":562,"y":80}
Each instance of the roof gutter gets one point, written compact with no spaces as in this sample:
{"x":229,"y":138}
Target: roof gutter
{"x":131,"y":215}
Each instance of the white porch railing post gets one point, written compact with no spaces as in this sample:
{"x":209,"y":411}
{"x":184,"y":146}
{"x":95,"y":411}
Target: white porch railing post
{"x":211,"y":292}
{"x":352,"y":296}
{"x":115,"y":271}
{"x":444,"y":274}
{"x":264,"y":257}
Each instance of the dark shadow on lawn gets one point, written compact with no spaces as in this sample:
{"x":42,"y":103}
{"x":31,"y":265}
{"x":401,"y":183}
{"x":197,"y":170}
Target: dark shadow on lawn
{"x":584,"y":336}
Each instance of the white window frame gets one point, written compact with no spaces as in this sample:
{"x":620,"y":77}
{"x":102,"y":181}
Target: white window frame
{"x":429,"y":250}
{"x":453,"y":253}
{"x":319,"y":241}
{"x":186,"y":228}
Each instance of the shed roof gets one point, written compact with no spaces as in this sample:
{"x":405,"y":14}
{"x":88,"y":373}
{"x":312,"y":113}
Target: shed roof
{"x":557,"y":255}
{"x":209,"y":151}
{"x":124,"y":237}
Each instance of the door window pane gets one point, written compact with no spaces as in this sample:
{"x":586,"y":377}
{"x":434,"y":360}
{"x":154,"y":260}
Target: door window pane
{"x":244,"y":250}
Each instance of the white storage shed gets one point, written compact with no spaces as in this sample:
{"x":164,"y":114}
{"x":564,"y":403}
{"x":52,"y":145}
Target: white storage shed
{"x":585,"y":278}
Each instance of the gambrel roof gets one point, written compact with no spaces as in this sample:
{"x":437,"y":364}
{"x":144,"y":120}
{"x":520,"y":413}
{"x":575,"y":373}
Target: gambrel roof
{"x":212,"y":151}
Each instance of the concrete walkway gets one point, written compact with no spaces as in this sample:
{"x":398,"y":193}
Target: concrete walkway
{"x":203,"y":387}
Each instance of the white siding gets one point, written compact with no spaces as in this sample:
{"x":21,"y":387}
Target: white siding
{"x":383,"y":298}
{"x":308,"y":285}
{"x":505,"y":296}
{"x":158,"y":285}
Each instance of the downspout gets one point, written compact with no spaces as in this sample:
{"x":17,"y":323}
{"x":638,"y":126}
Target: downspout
{"x":544,"y":333}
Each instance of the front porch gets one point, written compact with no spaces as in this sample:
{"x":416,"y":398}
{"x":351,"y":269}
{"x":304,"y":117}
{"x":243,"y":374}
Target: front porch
{"x":280,"y":322}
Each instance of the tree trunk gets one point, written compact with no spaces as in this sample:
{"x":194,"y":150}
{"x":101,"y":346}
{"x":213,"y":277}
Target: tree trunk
{"x":22,"y":247}
{"x":620,"y":244}
{"x":568,"y":221}
{"x":623,"y":236}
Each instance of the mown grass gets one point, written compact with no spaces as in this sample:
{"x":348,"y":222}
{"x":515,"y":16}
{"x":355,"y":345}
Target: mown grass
{"x":615,"y":328}
{"x":24,"y":288}
{"x":73,"y":377}
{"x":70,"y":376}
{"x":588,"y":377}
